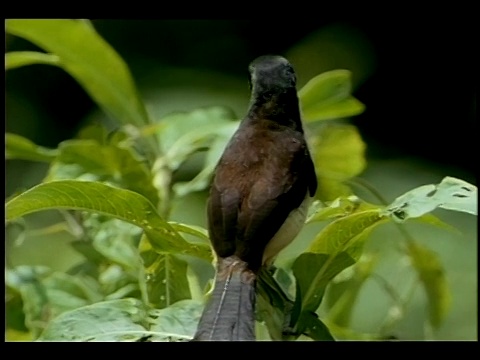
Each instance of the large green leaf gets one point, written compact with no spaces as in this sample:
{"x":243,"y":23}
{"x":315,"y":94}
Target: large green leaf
{"x":432,"y":276}
{"x":17,"y":59}
{"x":327,"y":96}
{"x":18,"y":147}
{"x":347,"y":233}
{"x":90,"y":60}
{"x":115,"y":320}
{"x":338,"y":154}
{"x":100,"y":198}
{"x":313,"y":272}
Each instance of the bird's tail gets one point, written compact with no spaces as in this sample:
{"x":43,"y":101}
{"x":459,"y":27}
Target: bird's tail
{"x":230,"y":313}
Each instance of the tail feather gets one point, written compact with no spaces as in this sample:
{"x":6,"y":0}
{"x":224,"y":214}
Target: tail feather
{"x":230,"y":313}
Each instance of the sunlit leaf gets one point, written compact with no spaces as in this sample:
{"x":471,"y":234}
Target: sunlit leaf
{"x":100,"y":198}
{"x":176,"y":322}
{"x":451,"y":193}
{"x":115,"y":320}
{"x":432,"y":275}
{"x":18,"y":147}
{"x":327,"y":96}
{"x":85,"y":55}
{"x":338,"y":154}
{"x":347,"y":233}
{"x":17,"y":59}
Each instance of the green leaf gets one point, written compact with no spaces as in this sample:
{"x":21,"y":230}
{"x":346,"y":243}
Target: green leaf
{"x":433,"y":278}
{"x":27,"y":281}
{"x":18,"y":147}
{"x":176,"y":322}
{"x":274,"y":307}
{"x":431,"y":219}
{"x":347,"y":233}
{"x":341,"y":311}
{"x":197,"y":231}
{"x":165,"y":277}
{"x":115,"y":320}
{"x":47,"y":294}
{"x":202,"y":179}
{"x":451,"y":193}
{"x":17,"y":59}
{"x":100,"y":198}
{"x":338,"y":208}
{"x":85,"y":55}
{"x":313,"y":272}
{"x":338,"y":154}
{"x":314,"y":327}
{"x":182,"y":134}
{"x":327,"y":96}
{"x":115,"y":239}
{"x":108,"y":162}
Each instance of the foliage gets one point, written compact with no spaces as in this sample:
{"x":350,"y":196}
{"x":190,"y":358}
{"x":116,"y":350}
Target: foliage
{"x":136,"y":282}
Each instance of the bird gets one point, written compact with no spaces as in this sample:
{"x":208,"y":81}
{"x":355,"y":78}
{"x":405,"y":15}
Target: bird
{"x":260,"y":192}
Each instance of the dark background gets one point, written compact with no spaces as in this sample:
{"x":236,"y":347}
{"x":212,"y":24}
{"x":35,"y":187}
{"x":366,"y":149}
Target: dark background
{"x":420,"y":91}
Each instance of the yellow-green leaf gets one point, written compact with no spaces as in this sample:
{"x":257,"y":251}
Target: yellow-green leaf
{"x":347,"y":233}
{"x":338,"y":154}
{"x":18,"y":147}
{"x":17,"y":59}
{"x":327,"y":96}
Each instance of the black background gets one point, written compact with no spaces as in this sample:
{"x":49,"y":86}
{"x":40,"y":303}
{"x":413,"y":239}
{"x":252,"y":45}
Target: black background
{"x":421,"y":98}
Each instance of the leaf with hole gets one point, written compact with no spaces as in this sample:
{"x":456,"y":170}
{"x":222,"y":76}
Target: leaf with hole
{"x":451,"y":194}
